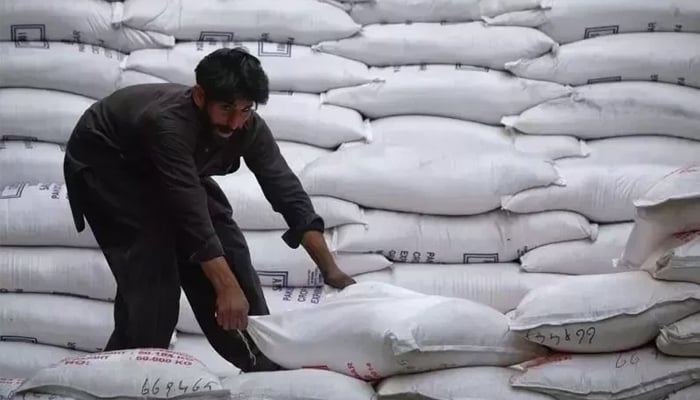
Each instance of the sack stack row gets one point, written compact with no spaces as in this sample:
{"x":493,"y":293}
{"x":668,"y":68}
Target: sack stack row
{"x":57,"y":60}
{"x":438,"y":163}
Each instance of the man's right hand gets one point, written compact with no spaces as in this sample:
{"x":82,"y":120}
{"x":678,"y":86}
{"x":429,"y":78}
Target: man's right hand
{"x":231,"y":304}
{"x":232,"y":309}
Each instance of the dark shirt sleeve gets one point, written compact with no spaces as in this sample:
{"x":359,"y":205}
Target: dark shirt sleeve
{"x":280,"y":185}
{"x":183,"y":194}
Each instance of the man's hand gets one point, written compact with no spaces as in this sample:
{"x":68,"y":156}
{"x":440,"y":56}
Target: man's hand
{"x":231,"y":305}
{"x":232,"y":309}
{"x":315,"y":245}
{"x":337,"y":278}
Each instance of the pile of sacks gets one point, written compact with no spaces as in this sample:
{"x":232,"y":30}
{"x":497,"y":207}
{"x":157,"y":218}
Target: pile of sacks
{"x":479,"y":170}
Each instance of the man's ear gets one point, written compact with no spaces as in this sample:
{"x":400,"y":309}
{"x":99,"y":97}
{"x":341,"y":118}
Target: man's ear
{"x":198,"y":95}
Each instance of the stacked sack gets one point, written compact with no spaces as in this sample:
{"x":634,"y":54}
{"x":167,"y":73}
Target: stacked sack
{"x":52,"y":74}
{"x":431,"y":179}
{"x":633,"y":334}
{"x":635,"y":73}
{"x":57,"y":291}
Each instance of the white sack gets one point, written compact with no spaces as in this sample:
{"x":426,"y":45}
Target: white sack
{"x":65,"y":321}
{"x":30,"y":162}
{"x":681,"y":338}
{"x":663,"y":56}
{"x":616,"y":109}
{"x":299,"y":21}
{"x":570,"y":20}
{"x":492,"y":383}
{"x":641,"y":374}
{"x":279,"y":300}
{"x":279,"y":265}
{"x":251,"y":210}
{"x":603,"y":313}
{"x":449,"y":135}
{"x":671,"y":206}
{"x":133,"y":374}
{"x":131,"y":78}
{"x":301,"y":117}
{"x":86,"y":21}
{"x":300,"y":384}
{"x":373,"y":330}
{"x":651,"y":149}
{"x":580,"y":257}
{"x":35,"y":114}
{"x":399,"y":11}
{"x":500,"y":286}
{"x":405,"y":178}
{"x":8,"y":386}
{"x":289,"y":67}
{"x":445,"y":91}
{"x":56,"y":270}
{"x":688,"y":393}
{"x":199,"y":347}
{"x":82,"y":69}
{"x":602,"y":193}
{"x":492,"y":237}
{"x":430,"y":43}
{"x":676,"y":259}
{"x":23,"y":360}
{"x":39,"y":215}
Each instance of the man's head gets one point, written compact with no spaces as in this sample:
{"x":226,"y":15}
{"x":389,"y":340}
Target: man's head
{"x":230,"y":84}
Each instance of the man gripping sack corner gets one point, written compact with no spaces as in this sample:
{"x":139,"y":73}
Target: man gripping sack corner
{"x":138,"y":168}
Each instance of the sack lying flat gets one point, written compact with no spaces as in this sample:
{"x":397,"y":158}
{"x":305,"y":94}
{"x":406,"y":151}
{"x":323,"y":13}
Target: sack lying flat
{"x":615,"y":109}
{"x":377,"y":330}
{"x":660,"y":56}
{"x":426,"y":43}
{"x":603,"y":313}
{"x":493,"y":237}
{"x":462,"y":92}
{"x":640,"y":374}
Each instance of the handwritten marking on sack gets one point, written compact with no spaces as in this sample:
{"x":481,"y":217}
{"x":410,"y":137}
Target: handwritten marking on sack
{"x":555,"y":337}
{"x":172,"y":388}
{"x":632,"y":358}
{"x":372,"y":374}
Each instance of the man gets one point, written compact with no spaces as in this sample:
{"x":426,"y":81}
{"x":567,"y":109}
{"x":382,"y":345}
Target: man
{"x":138,"y":168}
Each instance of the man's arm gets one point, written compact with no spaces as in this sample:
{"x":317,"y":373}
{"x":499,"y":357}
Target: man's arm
{"x":186,"y":201}
{"x":284,"y":192}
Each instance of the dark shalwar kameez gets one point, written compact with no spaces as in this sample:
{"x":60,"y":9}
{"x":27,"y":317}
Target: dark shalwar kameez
{"x":138,"y":168}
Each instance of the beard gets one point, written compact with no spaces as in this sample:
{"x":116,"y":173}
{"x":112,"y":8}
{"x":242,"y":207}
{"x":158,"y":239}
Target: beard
{"x":219,"y":133}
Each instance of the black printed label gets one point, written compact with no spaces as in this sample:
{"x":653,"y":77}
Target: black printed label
{"x":479,"y":258}
{"x":20,"y":137}
{"x":215,"y":36}
{"x":604,"y":80}
{"x":596,"y":31}
{"x":25,"y":339}
{"x":28,"y":33}
{"x":274,"y":278}
{"x":268,"y":49}
{"x":12,"y":191}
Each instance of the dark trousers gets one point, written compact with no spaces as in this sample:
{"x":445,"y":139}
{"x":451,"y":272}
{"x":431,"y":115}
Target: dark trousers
{"x":126,"y":215}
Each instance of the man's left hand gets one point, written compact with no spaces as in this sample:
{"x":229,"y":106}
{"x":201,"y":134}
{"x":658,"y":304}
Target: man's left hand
{"x":337,"y":279}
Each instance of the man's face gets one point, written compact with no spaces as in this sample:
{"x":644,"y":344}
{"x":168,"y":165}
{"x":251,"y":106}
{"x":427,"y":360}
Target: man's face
{"x":227,"y":117}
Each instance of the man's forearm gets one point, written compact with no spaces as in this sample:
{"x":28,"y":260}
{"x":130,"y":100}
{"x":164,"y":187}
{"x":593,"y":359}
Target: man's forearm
{"x":315,"y":245}
{"x":219,"y":274}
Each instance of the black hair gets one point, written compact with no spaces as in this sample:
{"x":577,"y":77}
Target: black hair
{"x":232,"y":74}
